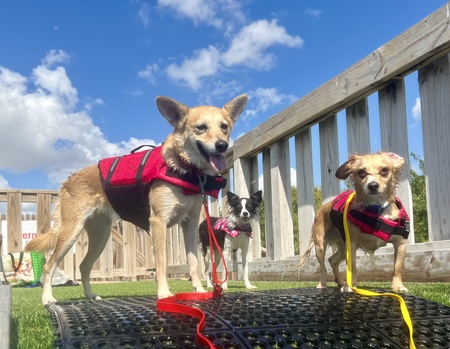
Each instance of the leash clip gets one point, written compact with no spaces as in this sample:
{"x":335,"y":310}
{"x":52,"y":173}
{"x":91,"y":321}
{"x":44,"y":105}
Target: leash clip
{"x":218,"y":290}
{"x":202,"y":179}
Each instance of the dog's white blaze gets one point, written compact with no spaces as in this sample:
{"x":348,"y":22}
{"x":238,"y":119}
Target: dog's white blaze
{"x":244,"y":209}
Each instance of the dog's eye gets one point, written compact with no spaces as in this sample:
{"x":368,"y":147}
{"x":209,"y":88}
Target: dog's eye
{"x":201,"y":128}
{"x":362,"y":173}
{"x":224,"y":127}
{"x":384,"y":171}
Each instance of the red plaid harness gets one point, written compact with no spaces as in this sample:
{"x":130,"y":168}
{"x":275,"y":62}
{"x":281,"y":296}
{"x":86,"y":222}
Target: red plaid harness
{"x":126,"y":181}
{"x":369,"y":219}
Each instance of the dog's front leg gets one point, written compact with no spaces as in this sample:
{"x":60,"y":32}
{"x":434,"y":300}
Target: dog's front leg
{"x":190,"y":232}
{"x":158,"y":233}
{"x":245,"y":260}
{"x":399,"y":259}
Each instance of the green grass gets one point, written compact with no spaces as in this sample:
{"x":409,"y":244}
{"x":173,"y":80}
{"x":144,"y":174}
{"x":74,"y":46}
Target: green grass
{"x":32,"y":328}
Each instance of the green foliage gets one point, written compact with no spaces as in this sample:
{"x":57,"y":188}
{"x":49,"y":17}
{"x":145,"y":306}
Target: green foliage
{"x":419,"y":199}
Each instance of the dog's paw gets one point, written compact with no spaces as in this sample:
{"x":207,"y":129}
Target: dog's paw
{"x":198,"y":289}
{"x":346,"y":289}
{"x":400,"y":289}
{"x":164,"y":294}
{"x":48,"y":300}
{"x":249,"y":287}
{"x":319,"y":285}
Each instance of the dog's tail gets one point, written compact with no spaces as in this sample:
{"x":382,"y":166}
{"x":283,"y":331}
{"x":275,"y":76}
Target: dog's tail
{"x":302,"y":261}
{"x":47,"y":241}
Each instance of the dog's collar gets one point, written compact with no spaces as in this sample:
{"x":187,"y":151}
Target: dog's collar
{"x":376,"y":209}
{"x":189,"y":167}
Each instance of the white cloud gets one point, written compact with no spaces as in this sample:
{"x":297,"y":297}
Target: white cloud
{"x":3,"y":183}
{"x":249,"y":46}
{"x":262,"y":99}
{"x":416,"y":112}
{"x":313,"y":12}
{"x":149,"y":73}
{"x":144,"y":14}
{"x":205,"y":63}
{"x":44,"y":128}
{"x":55,"y":56}
{"x":215,"y":13}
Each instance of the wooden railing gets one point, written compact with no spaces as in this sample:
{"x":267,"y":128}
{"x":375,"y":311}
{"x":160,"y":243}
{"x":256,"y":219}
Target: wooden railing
{"x":286,"y":140}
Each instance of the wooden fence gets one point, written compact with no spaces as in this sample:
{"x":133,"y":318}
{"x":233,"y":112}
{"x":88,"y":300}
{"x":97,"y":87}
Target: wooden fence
{"x":286,"y":141}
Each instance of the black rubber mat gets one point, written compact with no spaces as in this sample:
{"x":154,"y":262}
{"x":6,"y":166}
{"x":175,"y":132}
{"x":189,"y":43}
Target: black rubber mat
{"x":293,"y":318}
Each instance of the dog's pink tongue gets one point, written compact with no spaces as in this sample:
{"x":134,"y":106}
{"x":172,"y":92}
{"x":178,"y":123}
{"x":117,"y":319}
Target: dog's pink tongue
{"x":217,"y":162}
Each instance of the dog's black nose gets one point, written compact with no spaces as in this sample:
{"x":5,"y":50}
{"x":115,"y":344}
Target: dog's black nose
{"x":221,"y":146}
{"x":373,"y":186}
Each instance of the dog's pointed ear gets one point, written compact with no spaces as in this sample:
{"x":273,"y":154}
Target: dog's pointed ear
{"x":172,"y":110}
{"x":257,"y":197}
{"x":397,"y":161}
{"x":236,"y":106}
{"x":345,"y":169}
{"x":232,"y":198}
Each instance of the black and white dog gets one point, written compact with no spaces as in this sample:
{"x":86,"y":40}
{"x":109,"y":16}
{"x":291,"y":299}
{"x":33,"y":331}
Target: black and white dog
{"x":232,"y":232}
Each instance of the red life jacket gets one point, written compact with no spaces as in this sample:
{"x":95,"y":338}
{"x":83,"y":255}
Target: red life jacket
{"x":126,"y":181}
{"x":369,"y":219}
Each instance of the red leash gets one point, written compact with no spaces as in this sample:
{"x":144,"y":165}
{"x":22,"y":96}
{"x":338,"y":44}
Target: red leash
{"x":170,"y":304}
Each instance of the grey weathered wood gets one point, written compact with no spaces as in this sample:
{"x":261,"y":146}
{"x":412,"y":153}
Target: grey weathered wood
{"x":268,"y":203}
{"x":358,"y":133}
{"x":5,"y":315}
{"x":425,"y":262}
{"x":329,"y":157}
{"x":434,"y":83}
{"x":394,"y":138}
{"x":281,"y":195}
{"x":426,"y":40}
{"x":254,"y":187}
{"x":305,"y":187}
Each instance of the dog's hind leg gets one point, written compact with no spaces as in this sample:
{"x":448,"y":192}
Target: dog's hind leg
{"x":98,"y":228}
{"x":68,"y":235}
{"x":335,"y":261}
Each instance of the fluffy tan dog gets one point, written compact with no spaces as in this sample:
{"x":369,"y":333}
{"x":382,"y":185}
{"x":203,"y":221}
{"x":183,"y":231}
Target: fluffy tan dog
{"x":375,"y":177}
{"x":193,"y":151}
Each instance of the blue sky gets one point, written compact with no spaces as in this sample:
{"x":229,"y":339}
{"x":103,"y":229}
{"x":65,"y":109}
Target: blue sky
{"x":78,"y":80}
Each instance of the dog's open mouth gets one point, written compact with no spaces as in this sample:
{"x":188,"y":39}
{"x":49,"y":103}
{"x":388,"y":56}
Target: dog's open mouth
{"x":216,"y":161}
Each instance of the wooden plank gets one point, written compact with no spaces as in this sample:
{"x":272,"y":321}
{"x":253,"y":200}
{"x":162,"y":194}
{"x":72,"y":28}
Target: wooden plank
{"x":434,"y":81}
{"x":428,"y":39}
{"x":5,"y":315}
{"x":268,"y":204}
{"x":394,"y":138}
{"x":358,"y":134}
{"x":305,"y":187}
{"x":329,"y":158}
{"x":43,"y":213}
{"x":256,"y":227}
{"x":425,"y":262}
{"x":283,"y":241}
{"x":129,"y":250}
{"x":14,"y":221}
{"x":242,"y":177}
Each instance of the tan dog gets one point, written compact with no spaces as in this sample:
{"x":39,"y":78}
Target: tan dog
{"x":195,"y":148}
{"x":375,"y":177}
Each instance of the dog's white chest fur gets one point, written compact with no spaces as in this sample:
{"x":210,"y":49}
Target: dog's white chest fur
{"x":242,"y":240}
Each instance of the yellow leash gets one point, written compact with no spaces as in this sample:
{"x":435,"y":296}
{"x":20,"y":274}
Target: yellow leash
{"x":362,"y":292}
